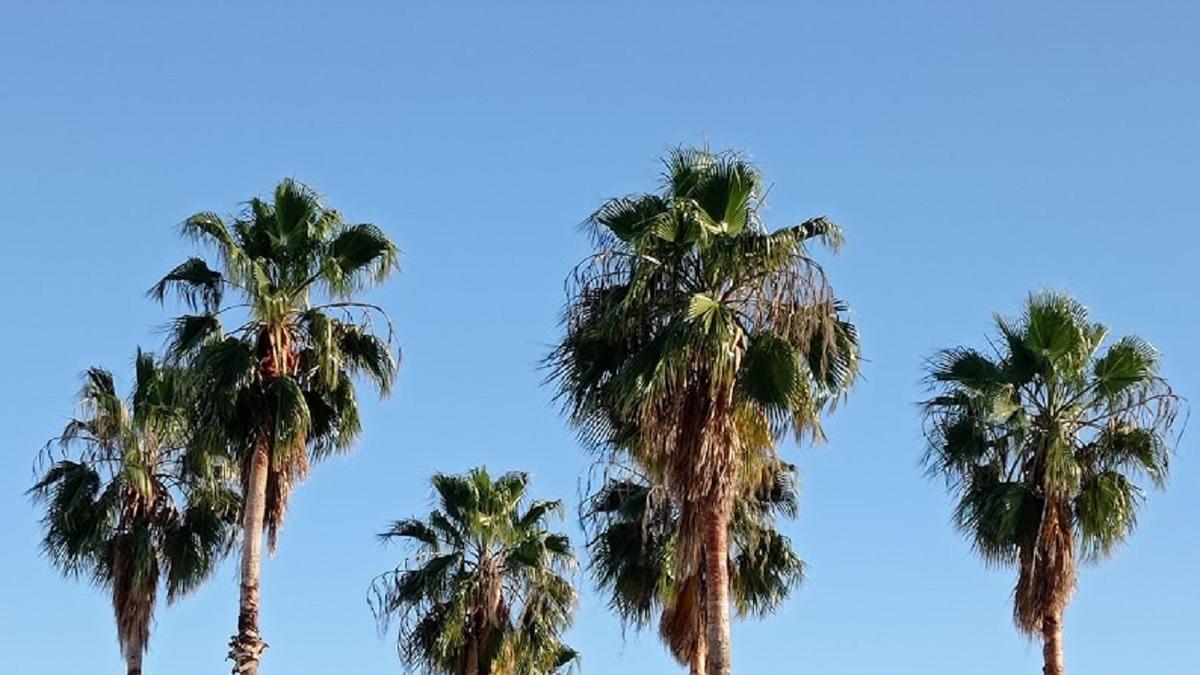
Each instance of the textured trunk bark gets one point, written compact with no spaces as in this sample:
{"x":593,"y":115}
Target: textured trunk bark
{"x":1052,"y":645}
{"x":472,"y":658}
{"x":716,"y":590}
{"x":133,"y":664}
{"x":247,"y":646}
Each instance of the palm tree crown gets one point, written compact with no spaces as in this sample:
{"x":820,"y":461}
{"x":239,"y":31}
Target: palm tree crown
{"x":278,"y":388}
{"x":484,"y":591}
{"x":284,"y":376}
{"x":1044,"y":438}
{"x":695,"y":338}
{"x":125,"y":503}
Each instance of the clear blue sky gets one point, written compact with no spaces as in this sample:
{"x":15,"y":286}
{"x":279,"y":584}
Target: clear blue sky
{"x":971,"y":154}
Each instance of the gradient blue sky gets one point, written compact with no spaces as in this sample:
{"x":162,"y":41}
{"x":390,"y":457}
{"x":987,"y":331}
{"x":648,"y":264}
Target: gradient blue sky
{"x":972,"y":154}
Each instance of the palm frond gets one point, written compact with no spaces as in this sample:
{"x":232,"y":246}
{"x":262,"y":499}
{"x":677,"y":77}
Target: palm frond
{"x":411,"y":528}
{"x":358,"y":255}
{"x":188,"y":333}
{"x":199,"y":539}
{"x":1105,"y":513}
{"x":193,"y":282}
{"x":1130,"y":362}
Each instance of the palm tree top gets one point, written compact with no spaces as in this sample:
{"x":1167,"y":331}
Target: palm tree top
{"x":276,"y":252}
{"x":476,"y":514}
{"x":689,"y":275}
{"x":1044,"y":437}
{"x":485,"y":588}
{"x":126,"y":504}
{"x":284,"y":376}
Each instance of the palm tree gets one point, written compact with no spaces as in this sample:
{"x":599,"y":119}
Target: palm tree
{"x":1043,"y":436}
{"x":124,"y":504}
{"x":278,"y":389}
{"x":694,"y":339}
{"x":634,"y":525}
{"x":484,"y":591}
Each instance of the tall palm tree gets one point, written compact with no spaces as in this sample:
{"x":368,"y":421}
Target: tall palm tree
{"x":126,"y":506}
{"x":1043,"y":437}
{"x":633,"y":529}
{"x":484,"y":591}
{"x":278,"y":389}
{"x":695,"y":337}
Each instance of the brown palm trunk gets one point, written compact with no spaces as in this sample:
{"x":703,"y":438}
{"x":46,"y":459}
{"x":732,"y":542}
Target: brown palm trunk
{"x":471,"y":663}
{"x":1052,"y":645}
{"x":716,"y":590}
{"x":246,"y":648}
{"x":133,"y":663}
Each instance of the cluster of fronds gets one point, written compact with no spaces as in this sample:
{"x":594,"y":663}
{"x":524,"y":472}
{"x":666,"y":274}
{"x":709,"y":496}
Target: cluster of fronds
{"x":695,"y":337}
{"x":1044,"y":439}
{"x":127,"y":505}
{"x":282,"y":380}
{"x":484,"y":590}
{"x":633,"y":526}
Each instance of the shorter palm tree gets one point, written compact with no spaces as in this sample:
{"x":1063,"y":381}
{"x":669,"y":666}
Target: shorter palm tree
{"x":126,"y":506}
{"x":484,"y":592}
{"x":1043,"y":438}
{"x":634,"y":527}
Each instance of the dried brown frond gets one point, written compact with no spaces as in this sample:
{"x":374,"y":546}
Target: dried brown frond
{"x":683,"y":625}
{"x":1047,"y":575}
{"x":287,"y":470}
{"x":134,"y":592}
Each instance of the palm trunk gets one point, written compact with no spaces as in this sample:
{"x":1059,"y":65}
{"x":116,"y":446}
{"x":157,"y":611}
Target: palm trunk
{"x":716,"y":590}
{"x":133,"y":663}
{"x":246,"y":648}
{"x":471,"y":664}
{"x":1052,"y":645}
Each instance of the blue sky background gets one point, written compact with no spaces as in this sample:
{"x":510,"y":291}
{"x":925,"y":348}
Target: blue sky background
{"x":972,"y":153}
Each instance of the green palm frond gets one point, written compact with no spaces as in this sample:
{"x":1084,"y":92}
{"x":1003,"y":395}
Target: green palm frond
{"x":208,"y":228}
{"x":192,"y":281}
{"x":625,"y":219}
{"x":365,"y":354}
{"x":359,"y":255}
{"x":1105,"y":510}
{"x":763,"y":573}
{"x":198,"y":539}
{"x":77,"y":519}
{"x":1129,"y":363}
{"x":292,"y":416}
{"x":416,"y":530}
{"x":188,"y":333}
